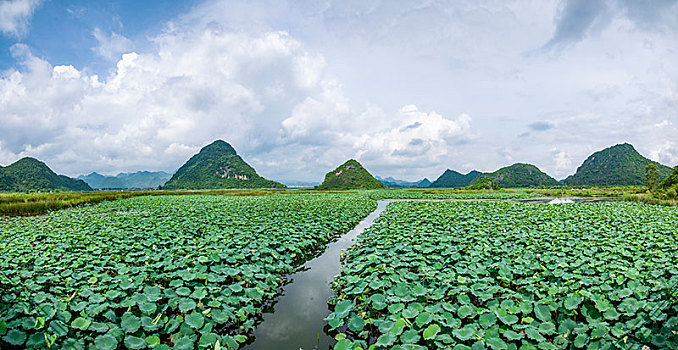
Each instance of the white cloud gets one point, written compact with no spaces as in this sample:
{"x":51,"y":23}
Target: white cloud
{"x":15,"y":16}
{"x":414,"y":137}
{"x":298,"y":87}
{"x":562,"y":162}
{"x":111,"y":46}
{"x":157,"y":108}
{"x":666,"y":153}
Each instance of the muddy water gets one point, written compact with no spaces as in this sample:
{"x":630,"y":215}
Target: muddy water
{"x":297,"y":322}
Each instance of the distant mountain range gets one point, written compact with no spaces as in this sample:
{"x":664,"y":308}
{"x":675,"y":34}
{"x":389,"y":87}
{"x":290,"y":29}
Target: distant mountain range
{"x":304,"y":184}
{"x":619,"y":165}
{"x":454,"y":179}
{"x":217,"y":165}
{"x":348,"y":176}
{"x":395,"y":183}
{"x":29,"y":174}
{"x":138,"y":180}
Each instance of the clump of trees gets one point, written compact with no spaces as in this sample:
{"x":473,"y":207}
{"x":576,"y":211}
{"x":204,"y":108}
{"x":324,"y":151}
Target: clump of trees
{"x":484,"y":184}
{"x":666,"y":189}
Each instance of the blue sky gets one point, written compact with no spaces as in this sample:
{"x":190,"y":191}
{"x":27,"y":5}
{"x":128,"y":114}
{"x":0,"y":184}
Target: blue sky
{"x":62,"y":32}
{"x":409,"y":88}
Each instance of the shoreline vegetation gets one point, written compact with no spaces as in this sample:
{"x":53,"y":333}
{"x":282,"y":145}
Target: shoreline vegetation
{"x":38,"y":203}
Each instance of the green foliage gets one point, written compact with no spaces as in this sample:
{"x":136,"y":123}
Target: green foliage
{"x":518,"y":175}
{"x":453,"y":179}
{"x":348,"y":176}
{"x":451,"y":194}
{"x":651,"y":177}
{"x":671,"y":180}
{"x":32,"y":175}
{"x":217,"y":165}
{"x":504,"y":275}
{"x":619,"y":165}
{"x":484,"y":184}
{"x":119,"y":274}
{"x":24,"y":204}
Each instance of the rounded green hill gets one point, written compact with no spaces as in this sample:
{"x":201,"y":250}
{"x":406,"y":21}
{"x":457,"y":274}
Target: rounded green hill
{"x":350,"y":176}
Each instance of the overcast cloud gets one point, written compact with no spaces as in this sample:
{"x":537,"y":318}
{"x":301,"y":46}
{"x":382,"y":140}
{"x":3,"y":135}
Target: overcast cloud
{"x":409,"y":89}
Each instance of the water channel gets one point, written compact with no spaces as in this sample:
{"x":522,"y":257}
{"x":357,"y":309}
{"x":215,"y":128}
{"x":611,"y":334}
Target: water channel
{"x":297,"y":320}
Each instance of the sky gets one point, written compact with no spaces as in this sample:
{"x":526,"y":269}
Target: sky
{"x":408,"y":88}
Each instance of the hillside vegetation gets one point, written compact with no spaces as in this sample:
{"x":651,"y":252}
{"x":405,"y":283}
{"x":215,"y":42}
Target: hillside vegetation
{"x":619,"y":165}
{"x":453,"y":179}
{"x":349,"y":176}
{"x":217,"y":165}
{"x":517,"y":175}
{"x":29,"y":174}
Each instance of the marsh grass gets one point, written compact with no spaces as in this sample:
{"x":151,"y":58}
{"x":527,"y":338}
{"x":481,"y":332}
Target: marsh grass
{"x":27,"y":204}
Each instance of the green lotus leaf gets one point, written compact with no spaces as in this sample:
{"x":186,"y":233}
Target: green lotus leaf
{"x":184,"y":343}
{"x":59,"y":328}
{"x":386,"y":340}
{"x":465,"y":310}
{"x":195,"y":320}
{"x":130,"y":323}
{"x":496,"y":343}
{"x":423,"y":318}
{"x":15,"y":337}
{"x":105,"y":342}
{"x":344,"y":344}
{"x":487,"y":320}
{"x":343,"y":308}
{"x":543,"y":312}
{"x":356,"y":323}
{"x":147,"y":308}
{"x":207,"y":340}
{"x":133,"y":342}
{"x":410,"y":336}
{"x":186,"y":305}
{"x":572,"y":302}
{"x":152,"y":341}
{"x":81,"y":323}
{"x":430,"y":332}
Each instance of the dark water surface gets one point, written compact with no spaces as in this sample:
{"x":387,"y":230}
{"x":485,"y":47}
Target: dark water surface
{"x":298,"y":320}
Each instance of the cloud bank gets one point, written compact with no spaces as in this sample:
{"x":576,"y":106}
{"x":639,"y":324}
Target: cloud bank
{"x":408,"y":89}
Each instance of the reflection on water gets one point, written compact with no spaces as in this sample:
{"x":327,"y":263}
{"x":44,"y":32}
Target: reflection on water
{"x":561,"y":201}
{"x":567,"y":200}
{"x":298,"y":320}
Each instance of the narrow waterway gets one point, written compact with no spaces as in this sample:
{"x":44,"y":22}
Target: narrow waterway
{"x":298,"y":320}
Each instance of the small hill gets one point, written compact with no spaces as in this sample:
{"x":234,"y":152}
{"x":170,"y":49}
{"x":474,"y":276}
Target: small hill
{"x":138,"y":180}
{"x":518,"y":175}
{"x":619,"y":165}
{"x":217,"y":165}
{"x":395,"y":183}
{"x":453,"y":179}
{"x":348,"y":176}
{"x":29,"y":174}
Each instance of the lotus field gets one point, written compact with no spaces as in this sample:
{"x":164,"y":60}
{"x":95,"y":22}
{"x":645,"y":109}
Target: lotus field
{"x":157,"y":272}
{"x":481,"y":275}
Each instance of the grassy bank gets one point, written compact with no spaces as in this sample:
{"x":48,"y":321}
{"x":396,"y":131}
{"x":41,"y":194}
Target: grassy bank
{"x":619,"y":192}
{"x":26,"y":204}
